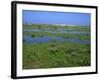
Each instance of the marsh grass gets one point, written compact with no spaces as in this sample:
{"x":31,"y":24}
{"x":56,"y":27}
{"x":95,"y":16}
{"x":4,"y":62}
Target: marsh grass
{"x":49,"y":55}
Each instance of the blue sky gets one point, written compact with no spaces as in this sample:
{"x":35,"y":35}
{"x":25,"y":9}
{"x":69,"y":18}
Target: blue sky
{"x":48,"y":17}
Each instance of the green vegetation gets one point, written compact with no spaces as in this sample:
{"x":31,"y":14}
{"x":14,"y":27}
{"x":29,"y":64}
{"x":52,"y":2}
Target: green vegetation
{"x":56,"y":54}
{"x":48,"y":55}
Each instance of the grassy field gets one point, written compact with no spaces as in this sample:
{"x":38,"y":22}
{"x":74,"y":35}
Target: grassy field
{"x":46,"y":55}
{"x":54,"y":54}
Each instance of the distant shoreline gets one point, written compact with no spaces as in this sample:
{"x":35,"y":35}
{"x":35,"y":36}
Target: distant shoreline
{"x":59,"y":25}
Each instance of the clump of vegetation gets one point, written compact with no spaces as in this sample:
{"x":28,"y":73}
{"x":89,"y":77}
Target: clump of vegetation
{"x":33,"y":35}
{"x":54,"y":40}
{"x":53,"y":50}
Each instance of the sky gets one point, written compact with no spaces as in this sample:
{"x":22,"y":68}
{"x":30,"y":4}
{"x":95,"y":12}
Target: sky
{"x":50,"y":17}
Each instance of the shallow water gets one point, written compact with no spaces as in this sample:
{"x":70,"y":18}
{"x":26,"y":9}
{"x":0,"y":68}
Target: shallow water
{"x":29,"y":39}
